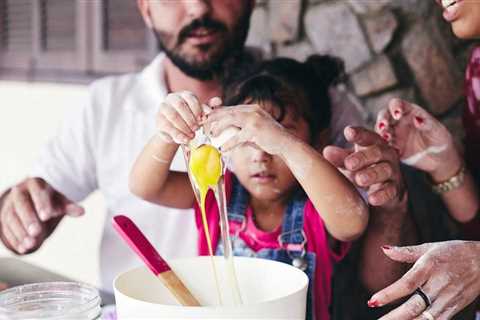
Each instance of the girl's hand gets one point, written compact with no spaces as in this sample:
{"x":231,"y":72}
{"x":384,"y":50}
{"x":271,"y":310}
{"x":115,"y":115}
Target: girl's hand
{"x":447,"y":272}
{"x":179,"y":117}
{"x":256,"y":126}
{"x":421,"y":140}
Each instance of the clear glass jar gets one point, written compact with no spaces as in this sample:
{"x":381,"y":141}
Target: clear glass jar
{"x":50,"y":300}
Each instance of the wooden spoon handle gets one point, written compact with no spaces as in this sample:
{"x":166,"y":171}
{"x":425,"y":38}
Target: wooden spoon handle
{"x":178,"y":289}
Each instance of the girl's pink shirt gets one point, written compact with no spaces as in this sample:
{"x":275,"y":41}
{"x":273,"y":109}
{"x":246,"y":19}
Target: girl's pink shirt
{"x":256,"y":239}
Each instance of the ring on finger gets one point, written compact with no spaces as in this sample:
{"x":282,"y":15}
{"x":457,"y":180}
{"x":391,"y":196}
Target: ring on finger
{"x":427,"y":315}
{"x":424,"y":297}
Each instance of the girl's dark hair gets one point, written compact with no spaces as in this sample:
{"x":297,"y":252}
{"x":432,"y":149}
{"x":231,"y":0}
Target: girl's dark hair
{"x":286,"y":82}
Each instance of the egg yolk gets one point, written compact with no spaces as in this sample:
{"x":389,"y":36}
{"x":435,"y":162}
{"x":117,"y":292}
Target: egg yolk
{"x":205,"y":166}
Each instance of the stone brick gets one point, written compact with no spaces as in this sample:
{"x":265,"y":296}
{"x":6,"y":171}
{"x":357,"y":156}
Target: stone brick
{"x":284,"y":20}
{"x":298,"y":51}
{"x":368,"y":6}
{"x":377,"y":103}
{"x":380,"y":30}
{"x":434,"y":70}
{"x":334,"y":29}
{"x":375,"y":77}
{"x":258,"y":35}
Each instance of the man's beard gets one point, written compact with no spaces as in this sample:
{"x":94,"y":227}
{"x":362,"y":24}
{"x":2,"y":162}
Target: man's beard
{"x":214,"y":65}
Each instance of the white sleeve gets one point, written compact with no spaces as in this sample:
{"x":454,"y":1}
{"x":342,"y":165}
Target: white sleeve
{"x":67,"y":161}
{"x":346,"y":111}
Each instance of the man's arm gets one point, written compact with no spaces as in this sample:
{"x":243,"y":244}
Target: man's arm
{"x":374,"y":166}
{"x":387,"y":227}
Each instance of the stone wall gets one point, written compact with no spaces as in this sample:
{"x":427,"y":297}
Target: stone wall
{"x":391,"y":48}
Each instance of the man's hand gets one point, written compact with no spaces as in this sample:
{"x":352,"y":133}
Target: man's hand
{"x":372,"y":165}
{"x":28,"y":211}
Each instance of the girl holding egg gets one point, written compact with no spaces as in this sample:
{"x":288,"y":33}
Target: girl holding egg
{"x":285,"y":201}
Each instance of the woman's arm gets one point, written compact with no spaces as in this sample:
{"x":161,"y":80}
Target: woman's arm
{"x":462,"y":201}
{"x":151,"y":178}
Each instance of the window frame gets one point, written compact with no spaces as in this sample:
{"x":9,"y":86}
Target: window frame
{"x":116,"y":61}
{"x":71,"y":61}
{"x":88,"y":61}
{"x":15,"y":59}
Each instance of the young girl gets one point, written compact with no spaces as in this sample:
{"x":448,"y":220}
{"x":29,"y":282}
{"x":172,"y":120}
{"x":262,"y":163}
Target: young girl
{"x":285,"y":201}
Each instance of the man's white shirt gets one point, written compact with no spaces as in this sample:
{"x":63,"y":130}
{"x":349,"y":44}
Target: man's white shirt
{"x":98,"y":144}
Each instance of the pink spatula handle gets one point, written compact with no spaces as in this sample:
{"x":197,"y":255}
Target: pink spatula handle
{"x":140,"y":244}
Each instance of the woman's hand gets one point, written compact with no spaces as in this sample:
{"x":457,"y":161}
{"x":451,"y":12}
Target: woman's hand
{"x":447,"y":272}
{"x":180,"y":115}
{"x":3,"y":286}
{"x":421,"y":140}
{"x":256,"y":126}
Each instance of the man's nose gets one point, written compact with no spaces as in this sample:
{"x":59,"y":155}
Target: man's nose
{"x":198,"y":8}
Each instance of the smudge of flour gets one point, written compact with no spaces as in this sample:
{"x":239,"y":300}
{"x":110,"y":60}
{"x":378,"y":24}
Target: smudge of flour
{"x":348,"y":204}
{"x":412,"y":160}
{"x":158,"y":159}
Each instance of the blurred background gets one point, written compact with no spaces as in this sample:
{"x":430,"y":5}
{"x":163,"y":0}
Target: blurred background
{"x":51,"y":49}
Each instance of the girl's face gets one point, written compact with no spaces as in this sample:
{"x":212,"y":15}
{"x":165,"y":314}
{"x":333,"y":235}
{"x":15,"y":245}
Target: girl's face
{"x":267,"y":177}
{"x":464,"y":16}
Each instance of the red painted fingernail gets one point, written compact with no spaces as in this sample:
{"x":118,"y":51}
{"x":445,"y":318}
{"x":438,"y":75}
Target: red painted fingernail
{"x":381,"y":125}
{"x":352,"y":132}
{"x":386,"y":247}
{"x":386,"y":136}
{"x":396,"y":113}
{"x":373,"y":303}
{"x":420,"y":120}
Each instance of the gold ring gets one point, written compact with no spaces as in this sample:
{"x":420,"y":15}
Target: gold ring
{"x":428,"y":315}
